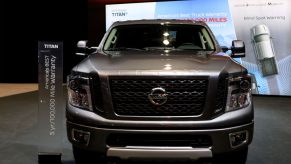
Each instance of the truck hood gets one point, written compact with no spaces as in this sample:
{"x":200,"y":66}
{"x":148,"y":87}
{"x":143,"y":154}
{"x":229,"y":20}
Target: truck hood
{"x":158,"y":63}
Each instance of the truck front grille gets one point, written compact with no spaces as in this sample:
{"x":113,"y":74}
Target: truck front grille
{"x":185,"y":97}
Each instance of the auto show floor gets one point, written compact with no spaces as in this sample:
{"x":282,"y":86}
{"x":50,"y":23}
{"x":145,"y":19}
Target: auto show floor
{"x":8,"y":89}
{"x":19,"y":135}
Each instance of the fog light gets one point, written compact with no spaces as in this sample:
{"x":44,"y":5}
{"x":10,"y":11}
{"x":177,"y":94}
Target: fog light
{"x":238,"y":139}
{"x":81,"y":136}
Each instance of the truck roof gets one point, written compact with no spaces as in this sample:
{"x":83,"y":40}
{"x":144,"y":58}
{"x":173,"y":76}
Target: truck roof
{"x":159,"y":21}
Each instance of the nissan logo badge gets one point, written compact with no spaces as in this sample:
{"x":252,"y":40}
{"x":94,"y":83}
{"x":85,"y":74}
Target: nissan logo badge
{"x":158,"y":96}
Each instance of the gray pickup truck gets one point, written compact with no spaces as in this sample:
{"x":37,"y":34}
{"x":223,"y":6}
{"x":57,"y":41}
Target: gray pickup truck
{"x":156,"y":89}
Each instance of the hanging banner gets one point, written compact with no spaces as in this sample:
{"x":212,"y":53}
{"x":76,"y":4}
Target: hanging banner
{"x":51,"y":106}
{"x":215,"y":13}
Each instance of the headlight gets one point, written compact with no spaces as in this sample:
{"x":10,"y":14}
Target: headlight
{"x":239,"y":92}
{"x":79,"y":92}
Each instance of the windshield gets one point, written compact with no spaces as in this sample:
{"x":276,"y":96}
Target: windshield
{"x":159,"y":37}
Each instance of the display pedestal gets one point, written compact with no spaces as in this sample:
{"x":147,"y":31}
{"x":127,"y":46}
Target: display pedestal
{"x":49,"y":158}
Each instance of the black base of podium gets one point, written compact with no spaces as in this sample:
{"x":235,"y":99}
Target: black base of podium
{"x":49,"y":158}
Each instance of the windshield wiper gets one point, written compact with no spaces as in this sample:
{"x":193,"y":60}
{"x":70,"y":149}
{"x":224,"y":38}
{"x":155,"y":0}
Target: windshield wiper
{"x":124,"y":48}
{"x":195,"y":49}
{"x":159,"y":48}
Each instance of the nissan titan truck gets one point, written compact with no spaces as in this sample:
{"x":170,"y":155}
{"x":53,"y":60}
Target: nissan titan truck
{"x":160,"y":89}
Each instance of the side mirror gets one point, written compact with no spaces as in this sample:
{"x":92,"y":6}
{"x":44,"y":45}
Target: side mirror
{"x":238,"y":49}
{"x":83,"y":49}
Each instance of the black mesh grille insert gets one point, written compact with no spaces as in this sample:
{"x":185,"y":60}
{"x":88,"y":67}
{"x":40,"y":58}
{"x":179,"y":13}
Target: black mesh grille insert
{"x":221,"y":95}
{"x":196,"y":141}
{"x":185,"y":97}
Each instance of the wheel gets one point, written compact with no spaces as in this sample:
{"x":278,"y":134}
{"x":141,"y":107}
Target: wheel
{"x":235,"y":157}
{"x":87,"y":157}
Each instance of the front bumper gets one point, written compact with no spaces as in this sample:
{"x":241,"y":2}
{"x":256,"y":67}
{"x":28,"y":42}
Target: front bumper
{"x":218,"y":129}
{"x":99,"y":138}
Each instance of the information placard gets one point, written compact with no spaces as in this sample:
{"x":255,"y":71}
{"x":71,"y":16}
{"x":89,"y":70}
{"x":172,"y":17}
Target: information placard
{"x":51,"y":106}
